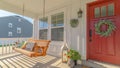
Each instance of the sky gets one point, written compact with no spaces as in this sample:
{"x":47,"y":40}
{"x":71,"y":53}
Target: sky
{"x":6,"y":13}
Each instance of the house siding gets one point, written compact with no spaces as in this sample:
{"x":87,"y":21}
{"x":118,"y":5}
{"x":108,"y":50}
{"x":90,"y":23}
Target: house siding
{"x":74,"y":37}
{"x":26,"y":27}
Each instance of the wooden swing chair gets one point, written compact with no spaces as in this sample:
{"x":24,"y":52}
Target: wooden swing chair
{"x":39,"y":47}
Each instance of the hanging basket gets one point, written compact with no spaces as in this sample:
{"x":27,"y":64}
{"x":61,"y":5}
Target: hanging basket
{"x":111,"y":27}
{"x":74,"y":23}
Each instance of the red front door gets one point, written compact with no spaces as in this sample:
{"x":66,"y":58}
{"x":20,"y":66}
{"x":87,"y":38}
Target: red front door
{"x":102,"y":48}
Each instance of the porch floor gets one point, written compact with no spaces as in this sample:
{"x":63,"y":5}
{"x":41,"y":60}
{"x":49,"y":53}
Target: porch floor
{"x":17,"y":60}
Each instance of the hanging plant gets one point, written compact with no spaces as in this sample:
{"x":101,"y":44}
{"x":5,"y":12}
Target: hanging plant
{"x":74,"y":23}
{"x":110,"y":27}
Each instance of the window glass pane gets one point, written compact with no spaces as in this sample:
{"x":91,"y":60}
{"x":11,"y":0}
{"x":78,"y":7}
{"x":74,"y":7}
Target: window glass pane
{"x":18,"y":30}
{"x":97,"y":12}
{"x":53,"y":23}
{"x":60,"y":34}
{"x":103,"y":11}
{"x":57,"y":20}
{"x":59,"y":23}
{"x":9,"y":33}
{"x":10,"y":25}
{"x":110,"y":9}
{"x":53,"y":20}
{"x":57,"y":34}
{"x":43,"y":23}
{"x":60,"y":16}
{"x":43,"y":34}
{"x":54,"y":34}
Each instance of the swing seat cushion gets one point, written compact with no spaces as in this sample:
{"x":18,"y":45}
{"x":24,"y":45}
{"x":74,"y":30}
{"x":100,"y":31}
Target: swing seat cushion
{"x":25,"y":52}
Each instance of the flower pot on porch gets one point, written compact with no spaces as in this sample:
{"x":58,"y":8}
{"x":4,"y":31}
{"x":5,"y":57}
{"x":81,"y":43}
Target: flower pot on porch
{"x":72,"y":63}
{"x":75,"y":62}
{"x":73,"y":57}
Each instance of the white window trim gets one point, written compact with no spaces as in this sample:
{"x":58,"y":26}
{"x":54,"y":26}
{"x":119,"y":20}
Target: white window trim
{"x":57,"y":27}
{"x":18,"y":30}
{"x":43,"y":28}
{"x":10,"y":25}
{"x":9,"y":33}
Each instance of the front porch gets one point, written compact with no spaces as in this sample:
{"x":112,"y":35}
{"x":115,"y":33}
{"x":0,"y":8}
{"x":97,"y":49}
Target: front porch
{"x":57,"y":28}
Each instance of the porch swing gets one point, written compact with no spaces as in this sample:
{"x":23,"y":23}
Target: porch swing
{"x":34,"y":48}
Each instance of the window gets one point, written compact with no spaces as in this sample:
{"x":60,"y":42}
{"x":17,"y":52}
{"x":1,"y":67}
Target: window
{"x":9,"y":33}
{"x":57,"y":20}
{"x":103,"y":11}
{"x":43,"y":28}
{"x":57,"y":34}
{"x":43,"y":34}
{"x":110,"y":9}
{"x":18,"y":30}
{"x":43,"y":23}
{"x":57,"y":30}
{"x":10,"y":25}
{"x":97,"y":12}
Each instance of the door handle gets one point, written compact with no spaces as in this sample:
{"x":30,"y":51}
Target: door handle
{"x":90,"y":35}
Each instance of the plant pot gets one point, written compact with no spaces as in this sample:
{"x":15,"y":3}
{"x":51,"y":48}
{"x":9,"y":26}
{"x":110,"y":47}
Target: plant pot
{"x":72,"y":63}
{"x":75,"y":62}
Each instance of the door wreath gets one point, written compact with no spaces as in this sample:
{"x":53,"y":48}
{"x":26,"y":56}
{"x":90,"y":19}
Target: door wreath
{"x":110,"y":27}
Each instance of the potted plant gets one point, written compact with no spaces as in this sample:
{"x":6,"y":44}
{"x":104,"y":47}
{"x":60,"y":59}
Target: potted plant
{"x":73,"y":56}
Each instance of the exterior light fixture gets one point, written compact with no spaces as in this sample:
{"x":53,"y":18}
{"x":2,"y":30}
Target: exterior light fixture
{"x":79,"y":13}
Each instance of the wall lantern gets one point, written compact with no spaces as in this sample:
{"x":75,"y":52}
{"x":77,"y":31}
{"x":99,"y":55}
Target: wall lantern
{"x":79,"y":13}
{"x":64,"y":54}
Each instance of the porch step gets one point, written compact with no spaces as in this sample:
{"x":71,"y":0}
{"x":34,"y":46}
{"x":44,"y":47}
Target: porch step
{"x":98,"y":64}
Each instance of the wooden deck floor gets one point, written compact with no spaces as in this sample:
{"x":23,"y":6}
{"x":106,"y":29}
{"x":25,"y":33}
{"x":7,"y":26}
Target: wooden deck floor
{"x":21,"y":61}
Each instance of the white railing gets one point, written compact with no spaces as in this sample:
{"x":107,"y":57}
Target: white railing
{"x":6,"y":44}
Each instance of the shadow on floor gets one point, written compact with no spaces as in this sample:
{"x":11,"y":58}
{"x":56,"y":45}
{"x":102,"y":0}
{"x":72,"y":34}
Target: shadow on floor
{"x":46,"y":65}
{"x":22,"y":61}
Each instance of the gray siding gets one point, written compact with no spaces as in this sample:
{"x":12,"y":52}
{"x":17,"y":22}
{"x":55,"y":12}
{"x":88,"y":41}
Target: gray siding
{"x":26,"y":27}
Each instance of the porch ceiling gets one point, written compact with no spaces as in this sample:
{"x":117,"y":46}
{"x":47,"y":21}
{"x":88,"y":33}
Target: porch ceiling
{"x":33,"y":8}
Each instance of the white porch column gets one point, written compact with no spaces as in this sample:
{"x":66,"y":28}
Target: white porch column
{"x":36,"y":28}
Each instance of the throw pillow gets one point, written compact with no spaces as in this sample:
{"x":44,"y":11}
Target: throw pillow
{"x":30,"y":46}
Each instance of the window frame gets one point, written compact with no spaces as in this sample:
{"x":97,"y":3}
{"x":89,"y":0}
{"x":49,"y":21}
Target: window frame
{"x":19,"y":30}
{"x":10,"y":34}
{"x":56,"y":27}
{"x":10,"y":25}
{"x":107,"y":10}
{"x":44,"y":28}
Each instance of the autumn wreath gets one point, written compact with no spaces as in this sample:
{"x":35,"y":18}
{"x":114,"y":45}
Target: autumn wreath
{"x":110,"y":27}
